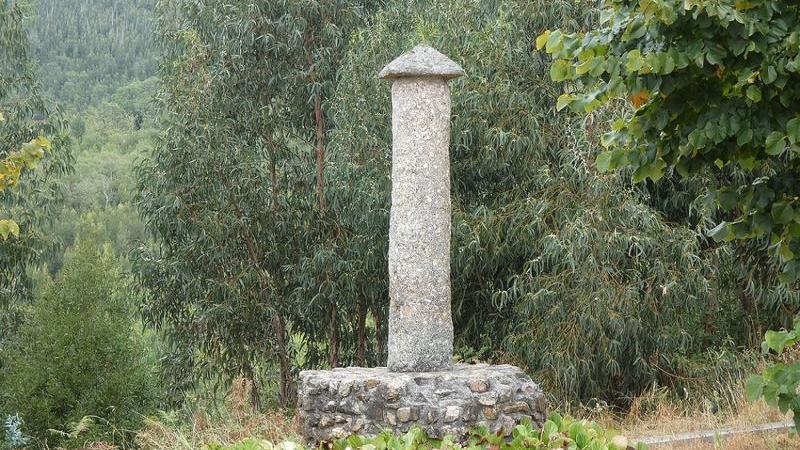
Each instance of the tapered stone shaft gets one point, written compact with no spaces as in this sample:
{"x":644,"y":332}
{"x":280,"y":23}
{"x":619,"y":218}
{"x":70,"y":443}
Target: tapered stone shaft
{"x":420,"y":319}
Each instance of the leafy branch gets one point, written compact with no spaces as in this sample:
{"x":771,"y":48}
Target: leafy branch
{"x":712,"y":87}
{"x":11,"y":168}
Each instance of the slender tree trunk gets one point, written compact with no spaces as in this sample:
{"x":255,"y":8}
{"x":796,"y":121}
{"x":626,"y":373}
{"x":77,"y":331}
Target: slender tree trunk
{"x":320,"y":154}
{"x":255,"y":399}
{"x":379,"y":345}
{"x":285,"y":390}
{"x":278,"y":325}
{"x":333,"y":336}
{"x":362,"y":331}
{"x":320,"y":151}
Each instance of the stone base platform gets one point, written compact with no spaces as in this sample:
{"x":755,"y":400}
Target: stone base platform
{"x":341,"y":402}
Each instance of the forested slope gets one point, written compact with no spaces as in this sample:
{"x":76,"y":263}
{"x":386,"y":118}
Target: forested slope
{"x":81,"y":74}
{"x":89,"y":48}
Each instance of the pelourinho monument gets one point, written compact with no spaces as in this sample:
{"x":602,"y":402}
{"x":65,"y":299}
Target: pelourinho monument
{"x":421,"y":386}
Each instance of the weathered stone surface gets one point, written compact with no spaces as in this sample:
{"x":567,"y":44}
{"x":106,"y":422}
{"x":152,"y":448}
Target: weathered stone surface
{"x":422,"y":61}
{"x":420,"y":322}
{"x":441,"y":403}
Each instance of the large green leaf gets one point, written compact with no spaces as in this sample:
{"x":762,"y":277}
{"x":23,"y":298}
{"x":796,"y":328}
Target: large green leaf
{"x":793,"y":130}
{"x":753,"y":388}
{"x":775,"y":144}
{"x":777,"y":340}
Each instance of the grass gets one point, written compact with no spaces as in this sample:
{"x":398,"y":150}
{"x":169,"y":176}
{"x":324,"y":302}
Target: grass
{"x":167,"y":433}
{"x":236,"y":422}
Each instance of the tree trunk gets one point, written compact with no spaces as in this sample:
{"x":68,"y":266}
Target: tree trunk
{"x":255,"y":399}
{"x":333,"y":336}
{"x":278,"y":325}
{"x":333,"y":327}
{"x":285,"y":383}
{"x":362,"y":331}
{"x":320,"y":152}
{"x":378,"y":335}
{"x":285,"y":391}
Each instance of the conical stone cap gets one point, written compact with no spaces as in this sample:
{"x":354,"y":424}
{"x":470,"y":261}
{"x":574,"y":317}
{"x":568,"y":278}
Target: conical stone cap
{"x":422,"y":61}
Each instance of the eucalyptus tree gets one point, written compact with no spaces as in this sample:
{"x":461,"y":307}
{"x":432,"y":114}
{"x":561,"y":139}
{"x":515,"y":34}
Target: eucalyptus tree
{"x":27,"y":198}
{"x":234,"y":192}
{"x":555,"y":266}
{"x":731,"y":169}
{"x":318,"y":32}
{"x":206,"y":198}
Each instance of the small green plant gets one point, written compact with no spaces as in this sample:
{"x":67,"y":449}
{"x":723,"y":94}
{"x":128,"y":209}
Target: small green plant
{"x":255,"y":444}
{"x":557,"y":432}
{"x":778,"y":383}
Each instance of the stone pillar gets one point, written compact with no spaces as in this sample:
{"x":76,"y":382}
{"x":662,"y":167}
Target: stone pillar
{"x":420,"y":320}
{"x":420,"y":387}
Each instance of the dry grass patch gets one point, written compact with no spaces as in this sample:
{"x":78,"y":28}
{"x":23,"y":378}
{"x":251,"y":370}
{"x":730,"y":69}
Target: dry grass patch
{"x":652,"y":416}
{"x":237,"y":423}
{"x":668,"y":419}
{"x":756,"y":441}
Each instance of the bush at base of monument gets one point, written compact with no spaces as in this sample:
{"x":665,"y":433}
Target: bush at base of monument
{"x":557,"y":432}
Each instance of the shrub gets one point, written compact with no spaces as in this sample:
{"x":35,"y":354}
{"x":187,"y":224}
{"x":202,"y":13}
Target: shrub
{"x":778,"y":383}
{"x":76,"y":367}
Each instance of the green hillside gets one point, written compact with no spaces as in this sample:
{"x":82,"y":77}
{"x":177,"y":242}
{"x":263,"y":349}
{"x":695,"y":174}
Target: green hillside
{"x":88,"y":49}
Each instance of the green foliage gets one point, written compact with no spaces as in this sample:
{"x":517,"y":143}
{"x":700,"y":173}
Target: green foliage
{"x":76,"y":365}
{"x":268,"y":195}
{"x":557,"y":432}
{"x":779,"y":381}
{"x":711,"y":87}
